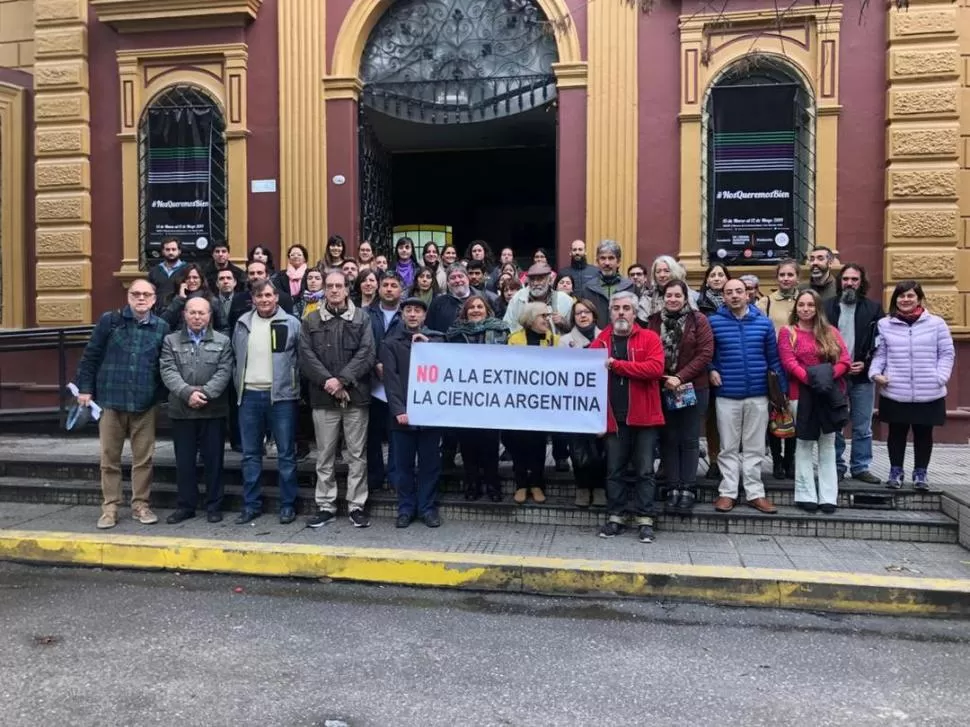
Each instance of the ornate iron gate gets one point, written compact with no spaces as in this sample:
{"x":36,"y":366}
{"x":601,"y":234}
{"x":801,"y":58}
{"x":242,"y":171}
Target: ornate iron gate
{"x":376,"y":215}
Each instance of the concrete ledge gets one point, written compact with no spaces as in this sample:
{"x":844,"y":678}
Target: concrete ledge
{"x":814,"y":590}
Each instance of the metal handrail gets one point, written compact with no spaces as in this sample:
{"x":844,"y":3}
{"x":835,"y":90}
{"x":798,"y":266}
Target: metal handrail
{"x":44,"y":339}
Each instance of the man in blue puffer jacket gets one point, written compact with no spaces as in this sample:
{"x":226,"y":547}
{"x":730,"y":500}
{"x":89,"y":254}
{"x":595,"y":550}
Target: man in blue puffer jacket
{"x":745,"y":349}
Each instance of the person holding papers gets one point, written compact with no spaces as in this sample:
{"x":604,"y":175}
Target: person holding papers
{"x":119,"y":369}
{"x":479,"y":447}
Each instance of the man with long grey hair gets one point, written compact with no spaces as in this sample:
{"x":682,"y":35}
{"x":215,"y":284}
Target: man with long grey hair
{"x":609,"y":282}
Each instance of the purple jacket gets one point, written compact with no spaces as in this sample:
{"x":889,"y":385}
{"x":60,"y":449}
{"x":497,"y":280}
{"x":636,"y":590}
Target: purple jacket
{"x":917,"y":359}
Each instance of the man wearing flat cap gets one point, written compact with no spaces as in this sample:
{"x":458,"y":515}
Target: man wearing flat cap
{"x":539,"y":290}
{"x":415,"y":497}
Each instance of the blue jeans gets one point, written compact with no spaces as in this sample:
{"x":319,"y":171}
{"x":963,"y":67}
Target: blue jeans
{"x":861,"y":400}
{"x":257,"y":413}
{"x":416,"y":496}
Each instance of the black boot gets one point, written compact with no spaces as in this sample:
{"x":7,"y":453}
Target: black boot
{"x":778,"y":470}
{"x":673,"y":497}
{"x":685,"y":504}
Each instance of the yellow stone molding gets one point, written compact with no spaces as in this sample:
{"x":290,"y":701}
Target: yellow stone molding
{"x":806,"y":40}
{"x":13,"y":177}
{"x":342,"y":87}
{"x":612,"y":126}
{"x":133,"y":16}
{"x":571,"y":75}
{"x":221,"y":72}
{"x":303,"y":126}
{"x":62,"y":176}
{"x":364,"y":14}
{"x":927,"y":175}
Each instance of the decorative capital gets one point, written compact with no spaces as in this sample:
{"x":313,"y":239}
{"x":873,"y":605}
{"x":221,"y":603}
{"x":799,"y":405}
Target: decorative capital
{"x":571,"y":75}
{"x":342,"y":87}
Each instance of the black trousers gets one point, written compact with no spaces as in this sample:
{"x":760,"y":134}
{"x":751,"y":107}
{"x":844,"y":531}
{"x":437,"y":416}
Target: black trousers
{"x":680,"y":443}
{"x":630,"y":445}
{"x":235,"y":440}
{"x":479,"y":456}
{"x":922,"y":444}
{"x":378,"y":431}
{"x":560,"y":446}
{"x":528,"y":451}
{"x":782,"y":451}
{"x":192,"y":437}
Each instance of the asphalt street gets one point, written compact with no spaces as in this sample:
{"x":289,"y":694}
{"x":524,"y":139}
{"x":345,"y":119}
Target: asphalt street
{"x":91,"y":647}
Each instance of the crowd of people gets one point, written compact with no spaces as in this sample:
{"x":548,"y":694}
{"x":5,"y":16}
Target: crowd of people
{"x":282,"y":361}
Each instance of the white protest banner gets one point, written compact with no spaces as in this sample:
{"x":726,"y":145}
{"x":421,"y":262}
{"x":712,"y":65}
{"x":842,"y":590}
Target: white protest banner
{"x":532,"y":388}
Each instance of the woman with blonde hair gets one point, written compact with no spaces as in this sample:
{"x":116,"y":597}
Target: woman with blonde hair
{"x":664,"y":269}
{"x":528,"y":448}
{"x":779,"y":306}
{"x":817,"y":361}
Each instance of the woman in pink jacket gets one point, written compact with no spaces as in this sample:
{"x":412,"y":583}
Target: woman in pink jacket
{"x":809,"y":340}
{"x":912,"y":363}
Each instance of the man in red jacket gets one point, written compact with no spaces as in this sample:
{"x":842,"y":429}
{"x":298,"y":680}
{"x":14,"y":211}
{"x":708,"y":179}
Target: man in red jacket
{"x":634,"y":415}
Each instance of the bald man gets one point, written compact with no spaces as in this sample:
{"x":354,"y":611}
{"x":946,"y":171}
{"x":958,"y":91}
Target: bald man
{"x":196,"y":367}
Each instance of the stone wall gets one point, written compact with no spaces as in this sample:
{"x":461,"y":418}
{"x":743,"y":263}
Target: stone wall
{"x":17,"y":34}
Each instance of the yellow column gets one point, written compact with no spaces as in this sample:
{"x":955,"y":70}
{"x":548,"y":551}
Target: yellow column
{"x":303,"y":151}
{"x":612,"y":140}
{"x":62,"y":176}
{"x":927,"y":172}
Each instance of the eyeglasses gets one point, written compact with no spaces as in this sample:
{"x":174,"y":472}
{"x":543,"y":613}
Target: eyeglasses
{"x":140,"y":294}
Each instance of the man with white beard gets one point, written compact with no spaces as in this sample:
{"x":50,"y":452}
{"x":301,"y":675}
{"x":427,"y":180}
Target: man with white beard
{"x":539,"y":290}
{"x":444,"y":309}
{"x":634,"y":415}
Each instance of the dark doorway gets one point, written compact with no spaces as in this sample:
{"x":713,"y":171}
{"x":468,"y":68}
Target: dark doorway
{"x":493,"y":180}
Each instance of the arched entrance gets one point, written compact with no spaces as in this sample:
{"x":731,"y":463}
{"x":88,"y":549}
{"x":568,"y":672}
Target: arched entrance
{"x":457,"y":107}
{"x":443,"y":98}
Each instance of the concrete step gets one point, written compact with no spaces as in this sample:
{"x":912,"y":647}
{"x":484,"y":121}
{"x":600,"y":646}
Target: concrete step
{"x":897,"y":525}
{"x":852,"y":494}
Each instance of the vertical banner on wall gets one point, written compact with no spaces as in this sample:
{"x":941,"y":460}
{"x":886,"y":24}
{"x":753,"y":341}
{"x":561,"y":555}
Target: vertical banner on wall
{"x":179,"y":162}
{"x":753,"y":182}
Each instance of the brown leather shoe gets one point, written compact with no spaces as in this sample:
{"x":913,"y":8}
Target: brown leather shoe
{"x":538,"y":495}
{"x":724,"y":504}
{"x":520,"y":495}
{"x":763,"y":504}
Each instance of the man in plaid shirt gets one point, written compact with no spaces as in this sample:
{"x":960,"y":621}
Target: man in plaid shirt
{"x":119,"y":369}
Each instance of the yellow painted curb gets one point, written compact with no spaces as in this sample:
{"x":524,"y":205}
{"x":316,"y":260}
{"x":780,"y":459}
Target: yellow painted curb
{"x":817,"y":590}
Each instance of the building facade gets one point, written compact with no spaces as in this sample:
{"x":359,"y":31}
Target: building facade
{"x":285,"y":114}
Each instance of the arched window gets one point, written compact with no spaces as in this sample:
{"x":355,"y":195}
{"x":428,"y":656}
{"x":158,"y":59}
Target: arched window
{"x":759,"y":185}
{"x":182,"y":165}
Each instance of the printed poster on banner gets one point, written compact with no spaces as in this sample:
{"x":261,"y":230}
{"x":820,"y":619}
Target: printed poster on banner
{"x":753,"y":179}
{"x":179,"y":163}
{"x":528,"y":388}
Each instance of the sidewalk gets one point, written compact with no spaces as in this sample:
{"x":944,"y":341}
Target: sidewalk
{"x":790,"y":572}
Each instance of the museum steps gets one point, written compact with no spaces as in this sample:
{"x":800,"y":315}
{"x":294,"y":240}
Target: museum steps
{"x":865,"y":511}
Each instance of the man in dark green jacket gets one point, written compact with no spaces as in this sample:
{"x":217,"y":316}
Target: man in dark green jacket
{"x":119,"y":370}
{"x":196,"y":368}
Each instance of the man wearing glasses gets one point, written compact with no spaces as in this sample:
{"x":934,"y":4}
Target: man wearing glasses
{"x":119,"y":370}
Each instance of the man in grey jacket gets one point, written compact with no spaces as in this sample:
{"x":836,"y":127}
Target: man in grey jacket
{"x":267,"y":381}
{"x":196,"y":367}
{"x":336,"y":356}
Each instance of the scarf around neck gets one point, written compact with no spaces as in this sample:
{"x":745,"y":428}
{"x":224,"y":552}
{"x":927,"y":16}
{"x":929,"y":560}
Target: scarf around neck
{"x":671,"y":335}
{"x":912,"y":316}
{"x":491,"y":326}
